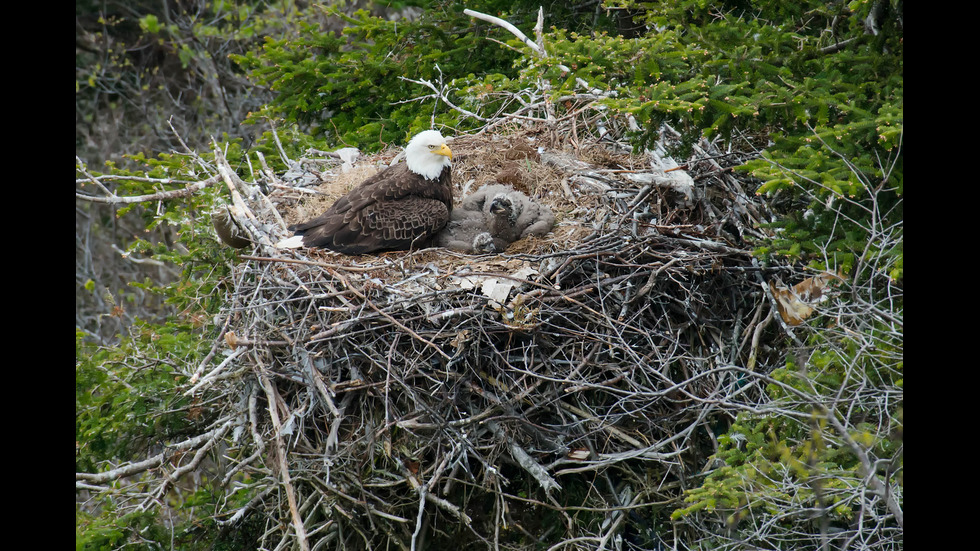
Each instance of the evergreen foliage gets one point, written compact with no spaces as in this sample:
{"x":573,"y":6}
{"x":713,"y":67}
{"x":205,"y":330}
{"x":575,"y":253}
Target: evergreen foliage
{"x":808,"y":75}
{"x":350,"y":86}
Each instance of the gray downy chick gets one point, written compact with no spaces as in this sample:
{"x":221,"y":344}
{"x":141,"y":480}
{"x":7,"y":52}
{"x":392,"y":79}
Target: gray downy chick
{"x":500,"y":211}
{"x":468,"y":232}
{"x":513,"y":214}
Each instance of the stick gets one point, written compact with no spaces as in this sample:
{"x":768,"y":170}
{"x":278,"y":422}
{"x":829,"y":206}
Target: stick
{"x":191,"y":189}
{"x":513,"y":30}
{"x":155,"y":461}
{"x":526,"y":461}
{"x":273,"y":404}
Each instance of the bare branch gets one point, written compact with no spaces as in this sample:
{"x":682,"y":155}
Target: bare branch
{"x":509,"y":28}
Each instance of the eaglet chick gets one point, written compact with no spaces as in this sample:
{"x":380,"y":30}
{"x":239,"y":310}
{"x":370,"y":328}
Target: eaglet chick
{"x":492,"y":218}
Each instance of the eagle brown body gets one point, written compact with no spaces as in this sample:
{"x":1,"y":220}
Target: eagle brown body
{"x":399,"y":208}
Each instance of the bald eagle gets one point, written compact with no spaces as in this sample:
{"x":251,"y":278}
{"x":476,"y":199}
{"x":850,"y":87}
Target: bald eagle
{"x":401,"y":207}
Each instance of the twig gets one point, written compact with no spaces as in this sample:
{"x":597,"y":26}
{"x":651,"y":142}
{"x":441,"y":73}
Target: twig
{"x":440,"y":95}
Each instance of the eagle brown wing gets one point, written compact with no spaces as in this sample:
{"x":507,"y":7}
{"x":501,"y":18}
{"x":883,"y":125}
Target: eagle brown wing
{"x":394,"y":209}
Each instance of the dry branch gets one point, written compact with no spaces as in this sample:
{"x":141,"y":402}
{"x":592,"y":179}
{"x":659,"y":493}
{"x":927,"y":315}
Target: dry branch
{"x":130,"y":469}
{"x":509,"y":27}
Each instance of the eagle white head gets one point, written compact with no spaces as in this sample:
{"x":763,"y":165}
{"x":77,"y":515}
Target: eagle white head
{"x":427,"y":154}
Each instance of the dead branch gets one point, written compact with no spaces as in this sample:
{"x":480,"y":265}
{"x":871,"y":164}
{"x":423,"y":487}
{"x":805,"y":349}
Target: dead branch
{"x":535,"y":47}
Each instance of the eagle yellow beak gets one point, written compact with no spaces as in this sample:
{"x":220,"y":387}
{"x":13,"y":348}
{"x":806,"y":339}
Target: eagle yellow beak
{"x":444,"y":150}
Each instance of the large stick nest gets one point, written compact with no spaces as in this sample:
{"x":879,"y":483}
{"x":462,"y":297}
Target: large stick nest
{"x":561,"y":390}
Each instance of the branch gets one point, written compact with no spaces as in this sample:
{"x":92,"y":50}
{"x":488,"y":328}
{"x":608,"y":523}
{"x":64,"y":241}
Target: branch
{"x":191,"y":189}
{"x":513,"y":30}
{"x":239,"y":209}
{"x":525,"y":460}
{"x":438,"y":94}
{"x":273,"y":404}
{"x":155,"y":461}
{"x":876,"y":485}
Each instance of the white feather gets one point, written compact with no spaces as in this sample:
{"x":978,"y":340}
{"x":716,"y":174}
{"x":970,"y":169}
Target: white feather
{"x":294,"y":242}
{"x":421,"y":156}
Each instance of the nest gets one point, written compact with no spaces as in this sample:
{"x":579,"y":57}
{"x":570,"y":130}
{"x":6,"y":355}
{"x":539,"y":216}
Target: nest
{"x":556,"y":392}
